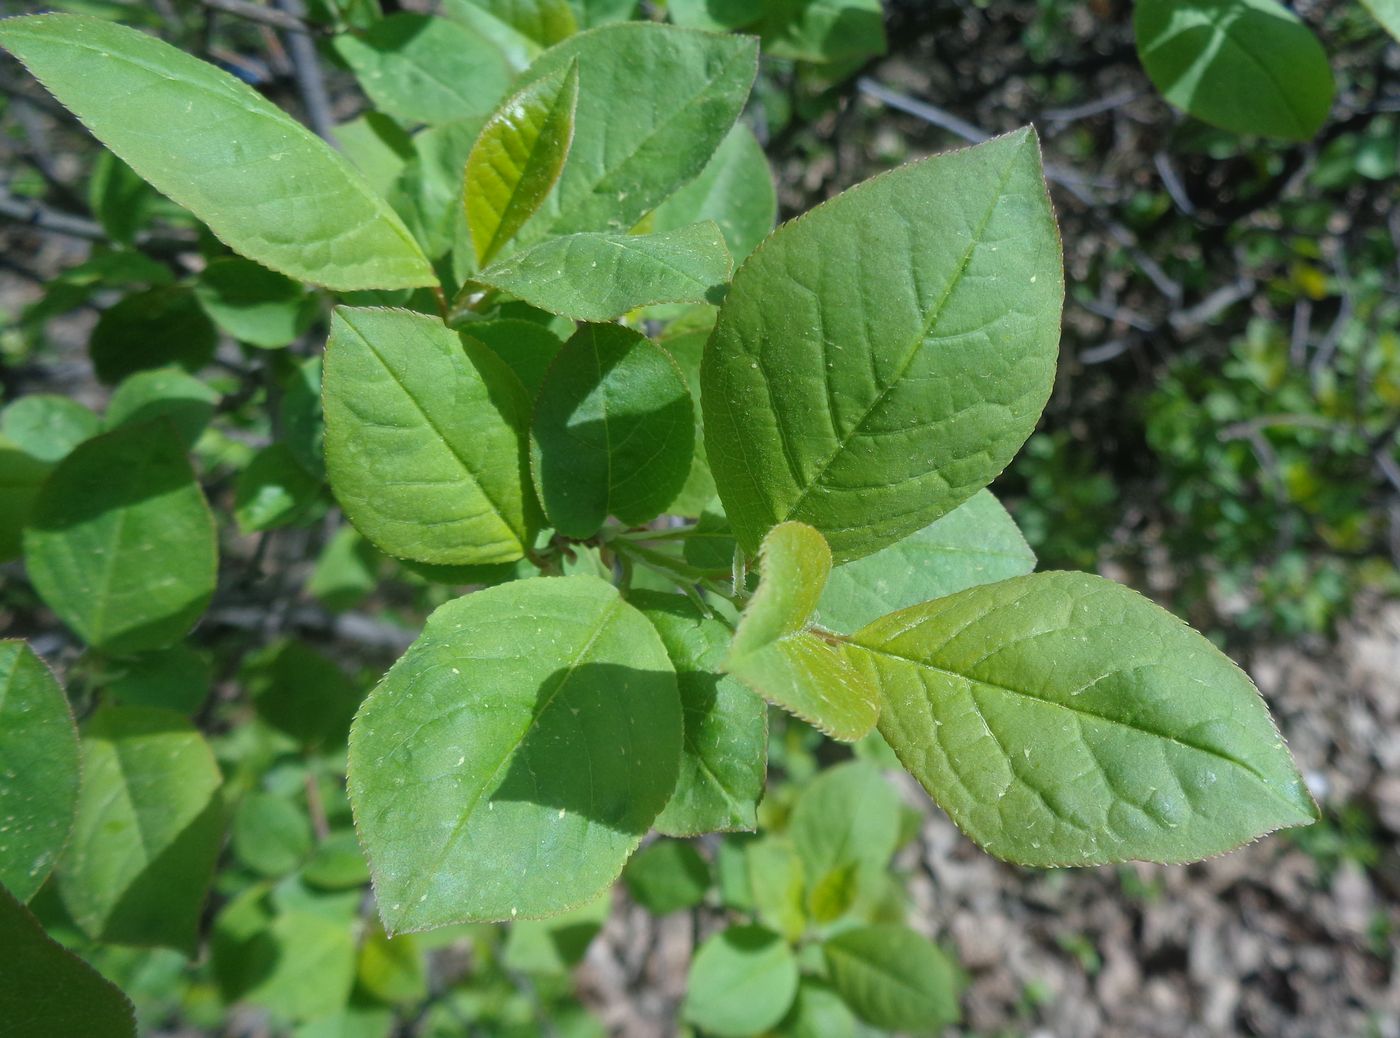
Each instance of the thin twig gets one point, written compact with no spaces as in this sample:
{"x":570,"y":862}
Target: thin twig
{"x":254,"y":12}
{"x":307,"y":69}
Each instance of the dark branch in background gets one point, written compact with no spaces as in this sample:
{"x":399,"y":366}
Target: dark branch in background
{"x":45,"y":218}
{"x":276,"y":18}
{"x":307,"y":69}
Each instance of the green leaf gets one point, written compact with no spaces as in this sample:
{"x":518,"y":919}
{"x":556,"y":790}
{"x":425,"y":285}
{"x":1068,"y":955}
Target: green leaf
{"x":879,"y":360}
{"x":177,"y":678}
{"x":822,"y":30}
{"x":303,"y":422}
{"x":735,"y":190}
{"x":152,"y":329}
{"x":47,"y":990}
{"x":392,"y":969}
{"x":1249,"y":66}
{"x":597,"y":277}
{"x":195,"y":132}
{"x":592,"y":13}
{"x":426,"y":69}
{"x":253,"y":304}
{"x":627,"y":158}
{"x":526,"y":347}
{"x":337,"y":863}
{"x":777,"y":884}
{"x":121,"y":545}
{"x":778,"y":654}
{"x":21,"y":477}
{"x":724,"y":759}
{"x":47,"y":427}
{"x":742,"y":982}
{"x":1387,"y":12}
{"x":558,"y":944}
{"x":274,"y":490}
{"x":378,"y":146}
{"x":271,"y":835}
{"x":428,"y":194}
{"x":39,"y":779}
{"x":536,"y":729}
{"x":169,"y":393}
{"x":425,"y":439}
{"x":893,"y":978}
{"x":846,"y":820}
{"x":818,"y":1012}
{"x":698,"y":492}
{"x":1061,"y":719}
{"x":346,"y":572}
{"x":667,"y":876}
{"x":149,"y":826}
{"x":612,"y":432}
{"x":976,"y":543}
{"x":517,"y":159}
{"x":544,"y":21}
{"x":299,"y":691}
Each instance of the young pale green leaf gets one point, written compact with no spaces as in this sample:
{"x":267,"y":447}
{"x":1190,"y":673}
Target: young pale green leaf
{"x":597,"y":277}
{"x":880,"y":359}
{"x":1062,"y":719}
{"x":778,"y":654}
{"x":627,"y":158}
{"x":47,"y":990}
{"x":544,"y":21}
{"x":39,"y":780}
{"x":514,"y":757}
{"x":425,"y":439}
{"x":253,"y":304}
{"x":426,"y":69}
{"x":975,"y":543}
{"x":667,"y":876}
{"x":121,"y":544}
{"x":393,"y":970}
{"x":777,"y":885}
{"x":724,"y":759}
{"x":848,"y":817}
{"x":1387,"y":12}
{"x":169,"y":393}
{"x":893,"y":978}
{"x":262,"y":182}
{"x":592,"y":13}
{"x":518,"y":49}
{"x":613,"y":431}
{"x":516,"y":160}
{"x":149,"y":827}
{"x":742,"y":982}
{"x":735,"y":190}
{"x":1249,"y":66}
{"x":47,"y":427}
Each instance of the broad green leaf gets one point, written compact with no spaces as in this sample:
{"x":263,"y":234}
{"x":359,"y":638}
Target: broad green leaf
{"x":597,"y":277}
{"x":592,"y":13}
{"x":742,"y":982}
{"x":845,"y":822}
{"x":47,"y":990}
{"x":346,"y":572}
{"x":612,"y":433}
{"x":976,"y":543}
{"x":47,"y":427}
{"x":392,"y":969}
{"x":1249,"y":66}
{"x":1062,"y":719}
{"x":1387,"y":12}
{"x":39,"y":776}
{"x":544,"y":21}
{"x":362,"y":1018}
{"x":777,"y":884}
{"x":735,"y":190}
{"x":378,"y":146}
{"x":715,"y":15}
{"x":149,"y":826}
{"x":518,"y":49}
{"x":822,"y":30}
{"x":167,"y":393}
{"x":526,"y":347}
{"x":667,"y":876}
{"x":426,"y":69}
{"x":818,"y":1012}
{"x":253,"y":304}
{"x":428,"y":194}
{"x":778,"y":654}
{"x":177,"y":678}
{"x":698,"y":492}
{"x":297,"y":962}
{"x":337,"y":863}
{"x":21,"y":477}
{"x":152,"y":329}
{"x":558,"y":944}
{"x":121,"y":544}
{"x":878,"y":361}
{"x":516,"y":160}
{"x":274,"y":490}
{"x":627,"y":158}
{"x":270,"y":835}
{"x":725,"y":754}
{"x":262,"y":182}
{"x":893,"y":978}
{"x":301,"y":692}
{"x":425,"y":439}
{"x":512,"y":759}
{"x":303,"y":421}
